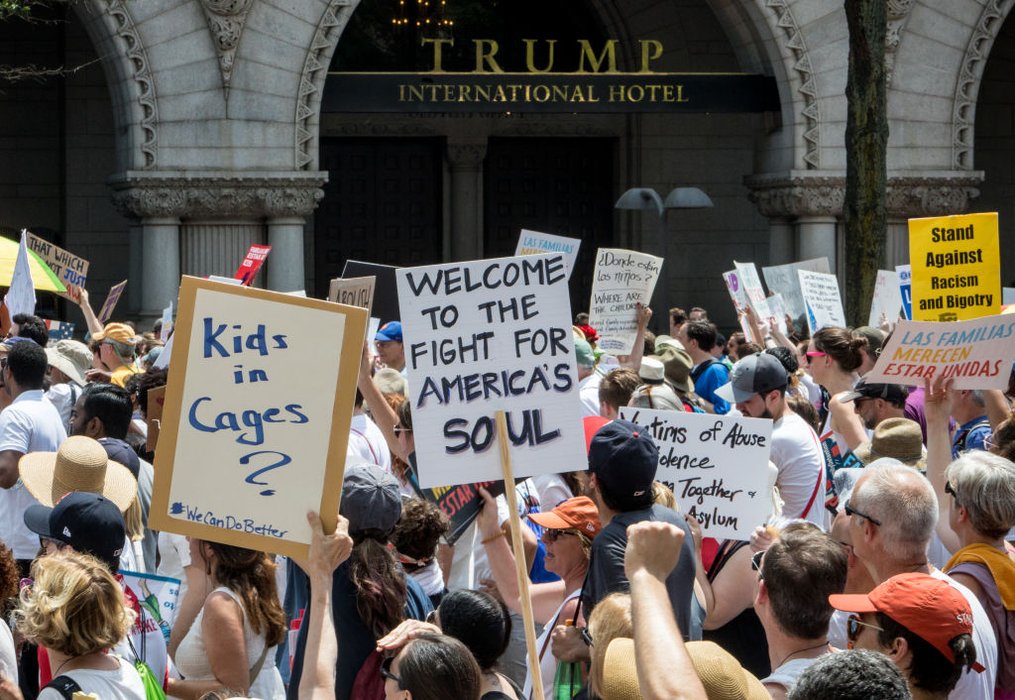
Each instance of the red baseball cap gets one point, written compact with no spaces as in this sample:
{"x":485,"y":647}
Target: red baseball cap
{"x":578,"y":513}
{"x":926,"y":606}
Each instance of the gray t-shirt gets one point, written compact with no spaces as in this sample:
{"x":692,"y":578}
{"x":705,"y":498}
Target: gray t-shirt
{"x":606,"y":567}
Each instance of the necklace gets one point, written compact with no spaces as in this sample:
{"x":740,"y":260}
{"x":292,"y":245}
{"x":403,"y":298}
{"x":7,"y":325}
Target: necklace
{"x":60,"y":667}
{"x":801,"y":651}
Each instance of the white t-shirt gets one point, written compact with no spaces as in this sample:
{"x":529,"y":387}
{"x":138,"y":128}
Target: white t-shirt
{"x":29,"y":424}
{"x":120,"y":684}
{"x":552,"y":490}
{"x":972,"y":684}
{"x":8,"y":657}
{"x":588,"y":392}
{"x":367,"y":443}
{"x":63,"y":396}
{"x":796,"y":452}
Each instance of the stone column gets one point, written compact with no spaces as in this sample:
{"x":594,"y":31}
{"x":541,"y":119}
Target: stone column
{"x":781,"y":242}
{"x":466,"y":163}
{"x":285,"y":268}
{"x":160,"y":265}
{"x":217,"y":247}
{"x":815,"y":238}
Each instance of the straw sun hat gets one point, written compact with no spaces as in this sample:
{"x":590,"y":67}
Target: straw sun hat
{"x":81,"y":464}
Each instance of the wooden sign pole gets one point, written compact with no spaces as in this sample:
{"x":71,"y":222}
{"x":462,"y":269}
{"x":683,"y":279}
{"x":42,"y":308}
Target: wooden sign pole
{"x":516,"y":542}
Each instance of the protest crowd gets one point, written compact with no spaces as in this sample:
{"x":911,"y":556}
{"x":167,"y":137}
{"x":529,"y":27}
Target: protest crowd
{"x":884,"y":566}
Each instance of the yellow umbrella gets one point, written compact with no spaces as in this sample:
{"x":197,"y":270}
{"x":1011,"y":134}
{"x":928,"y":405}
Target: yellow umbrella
{"x":43,"y":277}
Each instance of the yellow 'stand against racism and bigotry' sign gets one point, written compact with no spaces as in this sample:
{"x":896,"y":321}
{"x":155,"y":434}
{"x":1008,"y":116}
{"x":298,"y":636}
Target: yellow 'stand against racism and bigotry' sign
{"x":956,"y":266}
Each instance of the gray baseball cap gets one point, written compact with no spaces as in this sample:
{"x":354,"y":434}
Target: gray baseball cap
{"x":370,"y":499}
{"x":755,"y":374}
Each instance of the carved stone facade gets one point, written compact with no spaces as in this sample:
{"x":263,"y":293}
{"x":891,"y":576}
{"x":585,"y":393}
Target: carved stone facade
{"x":225,"y":20}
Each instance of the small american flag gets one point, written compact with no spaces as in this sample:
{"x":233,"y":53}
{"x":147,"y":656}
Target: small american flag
{"x":60,"y":330}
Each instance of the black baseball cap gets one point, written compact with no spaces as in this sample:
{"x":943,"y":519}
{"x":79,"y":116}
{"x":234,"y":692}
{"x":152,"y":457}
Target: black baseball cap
{"x":624,"y":458}
{"x":86,"y":521}
{"x":892,"y":393}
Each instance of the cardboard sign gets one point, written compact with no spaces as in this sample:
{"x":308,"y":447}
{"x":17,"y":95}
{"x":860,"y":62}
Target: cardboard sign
{"x":905,"y":274}
{"x":485,"y":336}
{"x":783,"y":279}
{"x":256,"y":417}
{"x":115,"y":292}
{"x":717,"y":467}
{"x":753,"y":290}
{"x":385,"y":306}
{"x":887,"y":299}
{"x":533,"y":242}
{"x":153,"y":415}
{"x":956,"y":267}
{"x":69,"y":268}
{"x":354,"y":291}
{"x":247,"y":270}
{"x":622,"y":279}
{"x":821,"y":300}
{"x":976,"y":354}
{"x":158,"y":595}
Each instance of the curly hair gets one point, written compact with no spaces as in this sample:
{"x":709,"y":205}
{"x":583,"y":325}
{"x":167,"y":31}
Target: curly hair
{"x":251,"y":574}
{"x":422,"y":524}
{"x":9,"y":577}
{"x":74,"y":606}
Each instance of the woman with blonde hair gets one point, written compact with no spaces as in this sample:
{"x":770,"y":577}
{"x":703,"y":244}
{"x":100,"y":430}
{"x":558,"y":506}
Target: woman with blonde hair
{"x":78,"y":612}
{"x":611,"y":619}
{"x":230,"y":643}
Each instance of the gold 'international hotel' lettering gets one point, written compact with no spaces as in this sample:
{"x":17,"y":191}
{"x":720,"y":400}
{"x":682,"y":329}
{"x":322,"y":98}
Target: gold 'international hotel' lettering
{"x":518,"y":93}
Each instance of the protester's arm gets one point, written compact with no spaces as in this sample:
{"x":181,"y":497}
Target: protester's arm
{"x":778,"y":336}
{"x":79,"y":295}
{"x":198,"y":588}
{"x":546,"y":597}
{"x":222,"y":629}
{"x":652,"y":552}
{"x":937,"y":407}
{"x":327,"y":552}
{"x":732,"y":591}
{"x":754,"y":326}
{"x":643,"y":315}
{"x":383,"y":415}
{"x":998,"y":407}
{"x":9,"y":467}
{"x":846,"y":422}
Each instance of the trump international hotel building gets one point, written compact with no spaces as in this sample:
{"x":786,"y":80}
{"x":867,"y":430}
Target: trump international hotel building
{"x":417,"y":131}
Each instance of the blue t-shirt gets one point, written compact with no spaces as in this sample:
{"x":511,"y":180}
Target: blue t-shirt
{"x":713,"y":377}
{"x":970,"y":436}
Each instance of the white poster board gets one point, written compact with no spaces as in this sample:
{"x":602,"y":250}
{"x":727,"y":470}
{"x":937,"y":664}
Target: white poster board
{"x":887,"y":299}
{"x":622,"y":279}
{"x":777,"y":307}
{"x":717,"y":467}
{"x":783,"y":279}
{"x":534,"y":242}
{"x":1008,"y":295}
{"x":739,"y":297}
{"x":256,"y":418}
{"x":976,"y":354}
{"x":485,"y":336}
{"x":753,"y":290}
{"x":821,"y":300}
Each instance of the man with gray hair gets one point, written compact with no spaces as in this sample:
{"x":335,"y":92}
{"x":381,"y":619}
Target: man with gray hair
{"x":893,"y":513}
{"x":970,"y":411}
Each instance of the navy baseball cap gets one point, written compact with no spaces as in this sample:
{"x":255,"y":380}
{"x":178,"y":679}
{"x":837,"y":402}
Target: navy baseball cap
{"x":371,"y":499}
{"x":624,"y":458}
{"x":86,"y":521}
{"x":119,"y":451}
{"x":392,"y":330}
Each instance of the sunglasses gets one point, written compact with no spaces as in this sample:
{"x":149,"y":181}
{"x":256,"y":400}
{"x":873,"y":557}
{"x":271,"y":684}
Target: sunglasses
{"x":951,"y":491}
{"x":850,"y":510}
{"x":853,"y":625}
{"x":815,"y":353}
{"x":386,"y":671}
{"x":552,"y":535}
{"x":756,"y":561}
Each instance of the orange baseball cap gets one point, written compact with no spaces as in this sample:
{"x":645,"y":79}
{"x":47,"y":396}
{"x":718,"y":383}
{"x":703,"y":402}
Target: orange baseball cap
{"x":926,"y":606}
{"x":578,"y":513}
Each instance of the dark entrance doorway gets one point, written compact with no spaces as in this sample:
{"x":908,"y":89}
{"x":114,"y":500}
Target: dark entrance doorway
{"x":562,"y":186}
{"x":382,"y":203}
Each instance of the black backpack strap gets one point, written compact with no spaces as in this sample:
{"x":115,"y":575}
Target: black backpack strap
{"x":65,"y":685}
{"x":700,"y":369}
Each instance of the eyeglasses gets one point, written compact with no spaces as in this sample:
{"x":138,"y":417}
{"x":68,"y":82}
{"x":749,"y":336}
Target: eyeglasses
{"x":586,"y":636}
{"x":756,"y":562}
{"x":853,"y":624}
{"x":552,"y":535}
{"x":850,"y":510}
{"x":951,"y":491}
{"x":386,"y":671}
{"x":399,"y":430}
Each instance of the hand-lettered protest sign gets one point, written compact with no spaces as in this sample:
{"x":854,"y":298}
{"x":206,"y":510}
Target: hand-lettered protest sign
{"x":717,"y":467}
{"x":354,"y":291}
{"x":783,"y":279}
{"x":256,"y":417}
{"x":115,"y":292}
{"x":821,"y":300}
{"x":736,"y":289}
{"x":622,"y":279}
{"x":247,"y":270}
{"x":976,"y":354}
{"x":153,"y":416}
{"x":167,"y":323}
{"x":533,"y":242}
{"x":751,"y":284}
{"x":887,"y":300}
{"x":777,"y":307}
{"x":156,"y":595}
{"x":956,"y":267}
{"x":484,"y":336}
{"x":69,"y":268}
{"x":905,"y":274}
{"x":385,"y":306}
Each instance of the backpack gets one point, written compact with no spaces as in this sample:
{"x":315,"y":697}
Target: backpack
{"x":65,"y":685}
{"x":700,"y":369}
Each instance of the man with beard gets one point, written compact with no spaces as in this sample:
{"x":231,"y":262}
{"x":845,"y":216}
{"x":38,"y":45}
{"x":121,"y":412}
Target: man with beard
{"x":758,"y":388}
{"x":875,"y":403}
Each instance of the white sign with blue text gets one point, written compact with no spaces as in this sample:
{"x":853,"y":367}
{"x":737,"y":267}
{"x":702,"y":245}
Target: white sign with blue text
{"x":485,"y":336}
{"x":256,"y":417}
{"x":532,"y":242}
